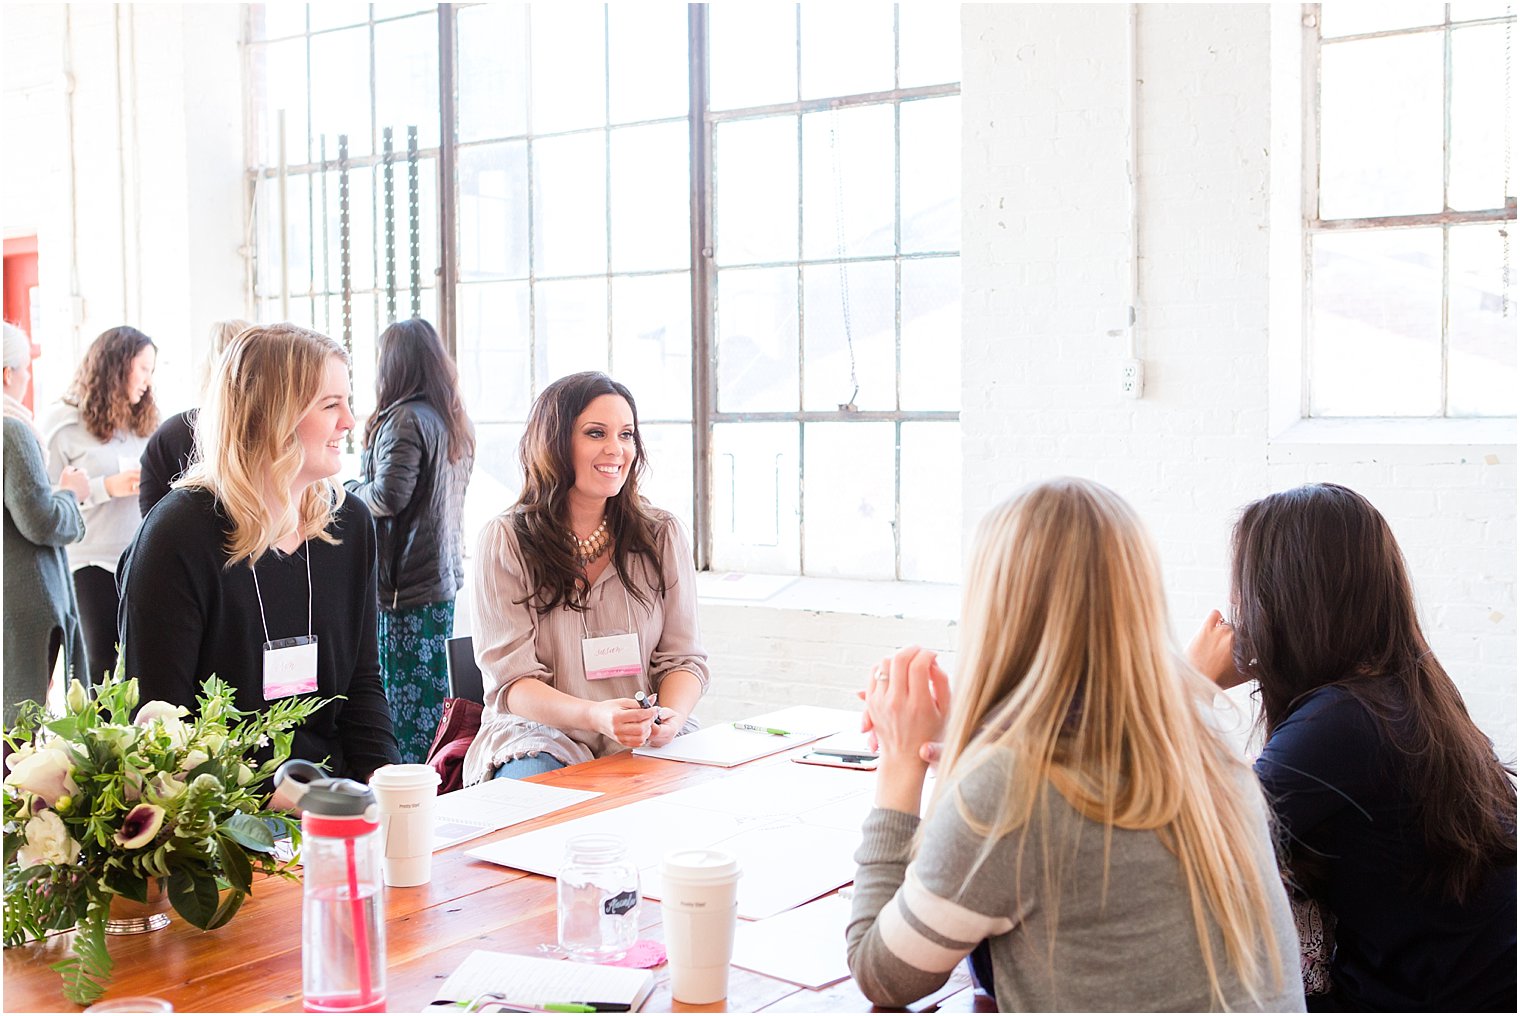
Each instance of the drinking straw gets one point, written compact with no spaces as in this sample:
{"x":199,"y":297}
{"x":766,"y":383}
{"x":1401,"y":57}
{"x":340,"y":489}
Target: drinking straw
{"x":361,"y":935}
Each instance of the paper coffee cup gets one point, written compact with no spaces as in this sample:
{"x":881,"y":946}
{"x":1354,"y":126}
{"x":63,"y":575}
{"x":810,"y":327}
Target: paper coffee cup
{"x":699,"y":906}
{"x":408,"y":797}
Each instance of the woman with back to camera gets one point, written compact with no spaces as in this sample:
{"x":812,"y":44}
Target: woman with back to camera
{"x":419,"y":448}
{"x":256,"y":567}
{"x":584,"y":596}
{"x":101,"y":426}
{"x":41,"y":616}
{"x":1395,"y":813}
{"x":170,"y":449}
{"x":1087,"y":822}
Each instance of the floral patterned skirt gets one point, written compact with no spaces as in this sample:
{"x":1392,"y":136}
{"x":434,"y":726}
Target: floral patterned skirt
{"x":414,"y":663}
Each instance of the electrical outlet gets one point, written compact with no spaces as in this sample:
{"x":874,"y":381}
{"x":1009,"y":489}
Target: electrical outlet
{"x":1132,"y":378}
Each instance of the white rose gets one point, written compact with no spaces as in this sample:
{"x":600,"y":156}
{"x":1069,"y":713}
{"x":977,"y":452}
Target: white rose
{"x":159,"y":710}
{"x":193,"y":758}
{"x":45,"y":773}
{"x":47,"y":842}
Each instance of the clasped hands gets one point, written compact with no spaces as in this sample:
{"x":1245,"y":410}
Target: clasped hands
{"x":633,"y":726}
{"x":907,"y":702}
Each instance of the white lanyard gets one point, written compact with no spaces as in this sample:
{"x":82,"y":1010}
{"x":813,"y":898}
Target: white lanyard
{"x":254,"y":567}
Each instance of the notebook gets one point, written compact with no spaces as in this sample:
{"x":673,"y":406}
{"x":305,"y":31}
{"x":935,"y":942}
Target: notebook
{"x":527,"y":982}
{"x":733,"y":744}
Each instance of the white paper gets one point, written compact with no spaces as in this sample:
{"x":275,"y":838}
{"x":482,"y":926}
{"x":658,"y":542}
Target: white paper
{"x":530,"y":979}
{"x":793,"y":828}
{"x":724,"y":744}
{"x":804,"y":946}
{"x":496,"y":804}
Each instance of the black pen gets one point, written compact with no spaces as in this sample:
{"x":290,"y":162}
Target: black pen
{"x":647,"y":702}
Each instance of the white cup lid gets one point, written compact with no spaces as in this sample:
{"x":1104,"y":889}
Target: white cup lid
{"x":700,"y":864}
{"x":405,"y":777}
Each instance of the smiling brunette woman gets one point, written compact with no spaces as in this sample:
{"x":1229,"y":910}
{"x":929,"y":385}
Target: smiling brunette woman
{"x":257,"y":568}
{"x":584,"y":596}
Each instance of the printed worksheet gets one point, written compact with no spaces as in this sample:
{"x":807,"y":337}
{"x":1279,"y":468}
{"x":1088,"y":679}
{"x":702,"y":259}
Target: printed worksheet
{"x":496,"y":804}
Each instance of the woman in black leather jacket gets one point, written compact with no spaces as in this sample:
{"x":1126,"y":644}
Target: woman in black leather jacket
{"x":419,"y":448}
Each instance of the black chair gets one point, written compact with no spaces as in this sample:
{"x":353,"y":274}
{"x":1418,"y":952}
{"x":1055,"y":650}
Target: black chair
{"x":465,"y":680}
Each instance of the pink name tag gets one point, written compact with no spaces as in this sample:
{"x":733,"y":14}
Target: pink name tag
{"x":612,"y":656}
{"x":290,"y":667}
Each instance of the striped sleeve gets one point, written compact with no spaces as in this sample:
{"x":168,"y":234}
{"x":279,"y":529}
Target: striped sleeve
{"x":911,"y":923}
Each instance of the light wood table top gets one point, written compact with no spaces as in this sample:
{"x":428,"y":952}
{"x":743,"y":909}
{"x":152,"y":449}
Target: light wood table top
{"x":254,"y":963}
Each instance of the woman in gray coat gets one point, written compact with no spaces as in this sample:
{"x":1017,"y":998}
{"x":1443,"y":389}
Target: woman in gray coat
{"x":41,"y":617}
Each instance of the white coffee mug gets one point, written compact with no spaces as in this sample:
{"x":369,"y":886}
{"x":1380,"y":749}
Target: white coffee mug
{"x":408,"y":797}
{"x":699,"y":905}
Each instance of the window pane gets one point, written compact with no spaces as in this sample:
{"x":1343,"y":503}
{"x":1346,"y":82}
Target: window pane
{"x":493,"y":211}
{"x":406,"y":78}
{"x":1481,"y":368}
{"x":929,"y":42}
{"x":846,"y":49}
{"x":1381,"y":127}
{"x":1354,"y":19}
{"x":1481,"y":94}
{"x":396,"y":232}
{"x":340,"y":87}
{"x":569,"y":66}
{"x":757,"y":340}
{"x":865,"y":297}
{"x":931,"y":502}
{"x":276,"y":21}
{"x":648,"y":61}
{"x":570,"y":206}
{"x":1376,"y":324}
{"x":493,"y":350}
{"x":849,"y":472}
{"x":651,"y":197}
{"x":363,"y":351}
{"x":848,"y":199}
{"x":755,"y":190}
{"x":336,"y":14}
{"x":1471,"y":10}
{"x":298,"y":247}
{"x":752,"y":54}
{"x":931,"y":175}
{"x":667,"y":476}
{"x":755,"y":497}
{"x":931,"y":334}
{"x":570,"y":327}
{"x":361,"y":212}
{"x":493,"y":71}
{"x":397,"y":9}
{"x":651,"y":343}
{"x":279,"y":74}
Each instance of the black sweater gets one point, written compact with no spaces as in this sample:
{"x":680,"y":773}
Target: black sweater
{"x":184,"y":616}
{"x":167,"y":455}
{"x":1340,"y":793}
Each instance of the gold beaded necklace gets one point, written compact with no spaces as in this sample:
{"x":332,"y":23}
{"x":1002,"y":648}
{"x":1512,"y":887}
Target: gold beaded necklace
{"x":593,"y":546}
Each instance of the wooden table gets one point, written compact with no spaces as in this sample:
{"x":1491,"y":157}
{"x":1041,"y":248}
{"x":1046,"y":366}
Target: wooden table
{"x":254,"y":963}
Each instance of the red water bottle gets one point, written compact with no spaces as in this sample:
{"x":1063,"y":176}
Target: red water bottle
{"x":343,"y":916}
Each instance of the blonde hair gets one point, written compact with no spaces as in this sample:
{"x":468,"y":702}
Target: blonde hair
{"x":222,"y":334}
{"x":1067,"y":665}
{"x":246,"y":447}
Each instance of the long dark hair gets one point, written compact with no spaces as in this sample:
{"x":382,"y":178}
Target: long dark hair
{"x":99,"y":389}
{"x":413,"y":362}
{"x":1323,"y":597}
{"x":541,"y":516}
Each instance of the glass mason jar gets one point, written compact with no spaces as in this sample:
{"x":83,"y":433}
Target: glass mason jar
{"x":598,"y":899}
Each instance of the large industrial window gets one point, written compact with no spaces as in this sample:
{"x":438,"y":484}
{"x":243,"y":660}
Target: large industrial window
{"x":751,"y":223}
{"x":1410,"y":206}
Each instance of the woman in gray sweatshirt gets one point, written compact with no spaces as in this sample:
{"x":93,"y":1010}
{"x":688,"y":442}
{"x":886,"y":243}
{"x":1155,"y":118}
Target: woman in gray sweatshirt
{"x":1101,"y":843}
{"x":101,"y":426}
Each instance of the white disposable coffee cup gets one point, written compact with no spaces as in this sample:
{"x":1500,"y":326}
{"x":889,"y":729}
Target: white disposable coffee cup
{"x":699,"y":906}
{"x":408,"y":797}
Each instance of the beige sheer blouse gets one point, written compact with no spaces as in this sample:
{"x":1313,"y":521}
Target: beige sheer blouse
{"x":513,"y":642}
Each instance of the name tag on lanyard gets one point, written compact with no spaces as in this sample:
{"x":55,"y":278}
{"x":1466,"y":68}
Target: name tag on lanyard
{"x":290,"y":667}
{"x":612,"y":656}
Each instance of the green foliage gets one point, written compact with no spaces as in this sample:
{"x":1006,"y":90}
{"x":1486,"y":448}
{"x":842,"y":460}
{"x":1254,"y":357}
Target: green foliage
{"x":201,"y":819}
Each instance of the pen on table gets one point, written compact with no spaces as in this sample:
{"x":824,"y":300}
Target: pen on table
{"x":763,"y":730}
{"x":503,"y":1006}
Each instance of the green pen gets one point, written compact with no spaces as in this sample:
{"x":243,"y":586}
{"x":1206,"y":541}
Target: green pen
{"x":763,"y":730}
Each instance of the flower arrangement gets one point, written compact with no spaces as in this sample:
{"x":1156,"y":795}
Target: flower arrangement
{"x":98,"y":803}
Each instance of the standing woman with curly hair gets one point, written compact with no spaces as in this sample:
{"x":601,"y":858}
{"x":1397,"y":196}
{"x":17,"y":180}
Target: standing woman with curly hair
{"x":101,"y":426}
{"x":585,"y":596}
